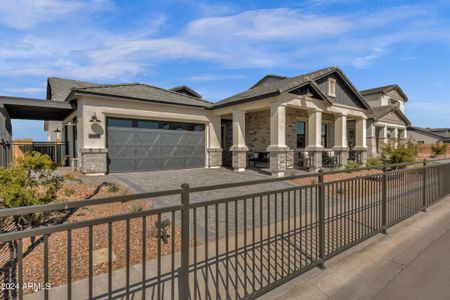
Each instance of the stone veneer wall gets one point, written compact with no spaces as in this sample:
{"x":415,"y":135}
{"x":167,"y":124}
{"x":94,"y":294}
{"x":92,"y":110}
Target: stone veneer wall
{"x":293,"y":116}
{"x":257,"y":130}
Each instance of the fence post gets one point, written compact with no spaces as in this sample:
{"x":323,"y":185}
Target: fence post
{"x":321,"y":220}
{"x":384,"y":201}
{"x":184,"y":270}
{"x":424,"y":186}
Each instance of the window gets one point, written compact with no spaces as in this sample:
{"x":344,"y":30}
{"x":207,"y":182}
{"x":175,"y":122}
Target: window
{"x":332,"y":87}
{"x":120,"y":122}
{"x":420,"y":142}
{"x":149,"y":124}
{"x":301,"y":134}
{"x":324,"y":135}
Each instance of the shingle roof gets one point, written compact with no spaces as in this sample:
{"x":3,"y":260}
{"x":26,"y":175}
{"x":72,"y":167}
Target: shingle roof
{"x":428,"y":131}
{"x":287,"y":84}
{"x":185,"y":88}
{"x":380,"y":111}
{"x":271,"y":77}
{"x":384,"y":90}
{"x":143,"y":92}
{"x":59,"y":88}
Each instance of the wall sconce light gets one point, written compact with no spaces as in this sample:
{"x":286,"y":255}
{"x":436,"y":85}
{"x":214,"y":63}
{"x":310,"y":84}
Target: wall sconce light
{"x":57,"y":130}
{"x":94,"y":119}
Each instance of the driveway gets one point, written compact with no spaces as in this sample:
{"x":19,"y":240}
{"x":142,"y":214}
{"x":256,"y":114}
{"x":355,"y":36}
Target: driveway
{"x":166,"y":180}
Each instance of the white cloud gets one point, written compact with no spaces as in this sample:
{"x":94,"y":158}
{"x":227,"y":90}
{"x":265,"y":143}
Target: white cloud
{"x":24,"y":14}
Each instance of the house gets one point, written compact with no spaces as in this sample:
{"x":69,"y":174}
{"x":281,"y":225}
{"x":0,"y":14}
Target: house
{"x":311,"y":120}
{"x":387,"y":122}
{"x":429,"y":135}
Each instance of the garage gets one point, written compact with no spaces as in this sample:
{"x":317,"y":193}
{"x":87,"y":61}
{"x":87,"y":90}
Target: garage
{"x":147,"y":145}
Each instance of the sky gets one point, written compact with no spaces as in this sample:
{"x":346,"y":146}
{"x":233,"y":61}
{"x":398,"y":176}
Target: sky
{"x":220,"y":48}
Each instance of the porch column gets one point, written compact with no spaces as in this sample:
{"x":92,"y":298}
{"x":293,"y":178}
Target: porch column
{"x":340,"y":138}
{"x":278,"y":149}
{"x":360,"y":140}
{"x":214,"y":159}
{"x":372,"y":138}
{"x":239,"y":148}
{"x":395,"y":131}
{"x":315,"y":147}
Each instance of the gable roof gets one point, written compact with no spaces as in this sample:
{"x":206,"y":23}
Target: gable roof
{"x":425,"y":131}
{"x":140,"y":92}
{"x":289,"y":84}
{"x":381,"y":111}
{"x":184,"y":89}
{"x":59,"y":88}
{"x":383,"y":90}
{"x":267,"y":78}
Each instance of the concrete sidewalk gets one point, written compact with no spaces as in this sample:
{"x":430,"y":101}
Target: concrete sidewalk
{"x":411,"y":262}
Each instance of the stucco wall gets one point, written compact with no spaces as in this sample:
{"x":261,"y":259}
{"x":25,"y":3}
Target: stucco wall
{"x":418,"y":136}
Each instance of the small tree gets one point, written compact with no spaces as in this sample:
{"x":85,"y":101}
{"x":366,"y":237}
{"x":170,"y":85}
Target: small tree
{"x":401,"y":154}
{"x":439,"y":149}
{"x":30,"y":181}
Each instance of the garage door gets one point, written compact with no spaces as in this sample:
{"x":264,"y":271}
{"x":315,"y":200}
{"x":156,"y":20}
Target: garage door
{"x":144,"y":145}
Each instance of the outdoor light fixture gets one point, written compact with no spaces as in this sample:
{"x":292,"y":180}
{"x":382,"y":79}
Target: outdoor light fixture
{"x":57,"y":130}
{"x":94,"y":119}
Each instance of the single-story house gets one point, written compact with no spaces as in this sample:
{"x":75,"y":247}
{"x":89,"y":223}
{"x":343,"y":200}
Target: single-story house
{"x":429,"y":135}
{"x":302,"y":121}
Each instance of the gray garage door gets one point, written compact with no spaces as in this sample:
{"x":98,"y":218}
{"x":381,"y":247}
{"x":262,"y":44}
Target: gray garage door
{"x":143,"y":145}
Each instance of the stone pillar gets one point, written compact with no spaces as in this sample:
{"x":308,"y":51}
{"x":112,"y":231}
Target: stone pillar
{"x":278,"y":149}
{"x":239,"y":148}
{"x":314,"y":144}
{"x":361,"y":141}
{"x":340,"y":139}
{"x":94,"y":161}
{"x":214,"y":150}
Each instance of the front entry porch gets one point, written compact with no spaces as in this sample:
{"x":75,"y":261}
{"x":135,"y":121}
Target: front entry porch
{"x":283,"y":137}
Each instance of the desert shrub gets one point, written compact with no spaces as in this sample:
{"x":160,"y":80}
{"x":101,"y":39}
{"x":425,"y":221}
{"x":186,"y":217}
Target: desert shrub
{"x":136,"y":208}
{"x":351,"y":166}
{"x":112,"y":187}
{"x":439,"y":149}
{"x":68,"y":192}
{"x":28,"y":182}
{"x":401,"y":154}
{"x":374,"y":161}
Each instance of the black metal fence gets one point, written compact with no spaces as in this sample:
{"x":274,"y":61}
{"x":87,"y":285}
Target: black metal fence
{"x":229,"y":248}
{"x":55,"y":150}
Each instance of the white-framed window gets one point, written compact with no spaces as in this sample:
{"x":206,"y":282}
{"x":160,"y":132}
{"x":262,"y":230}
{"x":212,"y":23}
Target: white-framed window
{"x":332,"y":87}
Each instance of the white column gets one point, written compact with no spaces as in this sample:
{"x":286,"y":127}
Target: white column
{"x":384,"y":134}
{"x":360,"y":134}
{"x":238,"y":128}
{"x":214,"y":150}
{"x":239,"y":148}
{"x":314,"y":131}
{"x":340,"y":132}
{"x":278,"y":125}
{"x":395,"y":137}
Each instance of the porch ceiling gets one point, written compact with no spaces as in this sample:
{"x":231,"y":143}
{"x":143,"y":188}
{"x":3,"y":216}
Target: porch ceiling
{"x":36,"y":109}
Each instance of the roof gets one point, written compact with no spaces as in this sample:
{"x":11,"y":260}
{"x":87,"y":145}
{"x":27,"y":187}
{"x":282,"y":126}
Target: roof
{"x":59,"y":88}
{"x":383,"y":90}
{"x":268,"y":77}
{"x":381,"y":111}
{"x":288,"y":84}
{"x":35,"y":109}
{"x":141,"y":92}
{"x":184,"y":89}
{"x":426,"y":131}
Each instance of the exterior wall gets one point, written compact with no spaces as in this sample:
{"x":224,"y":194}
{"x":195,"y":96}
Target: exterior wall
{"x":343,"y":93}
{"x":257,"y":130}
{"x":53,"y":136}
{"x":392,"y":118}
{"x":418,"y":136}
{"x":373,"y":100}
{"x":104,"y":107}
{"x":293,"y":116}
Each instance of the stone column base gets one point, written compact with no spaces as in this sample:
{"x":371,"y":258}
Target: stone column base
{"x":214,"y":158}
{"x":278,"y":160}
{"x":94,"y":161}
{"x":361,"y":155}
{"x":239,"y":158}
{"x":342,"y":155}
{"x":315,"y":155}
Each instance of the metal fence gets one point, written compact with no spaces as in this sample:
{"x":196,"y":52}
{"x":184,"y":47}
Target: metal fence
{"x":236,"y":247}
{"x":55,"y":150}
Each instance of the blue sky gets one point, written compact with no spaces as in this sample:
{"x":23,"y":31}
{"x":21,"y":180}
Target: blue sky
{"x":220,"y":48}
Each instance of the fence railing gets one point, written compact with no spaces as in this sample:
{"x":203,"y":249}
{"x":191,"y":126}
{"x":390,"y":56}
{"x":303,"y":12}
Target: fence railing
{"x":233,"y":247}
{"x":424,"y":151}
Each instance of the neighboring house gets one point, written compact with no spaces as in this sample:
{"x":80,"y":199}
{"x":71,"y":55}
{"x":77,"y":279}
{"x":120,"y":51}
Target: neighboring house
{"x":429,"y":135}
{"x":299,"y":121}
{"x":387,"y":122}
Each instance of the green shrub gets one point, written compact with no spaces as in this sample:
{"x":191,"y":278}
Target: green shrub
{"x":112,"y":187}
{"x":401,"y":154}
{"x":28,"y":182}
{"x":351,"y":166}
{"x":439,"y":149}
{"x":136,"y":208}
{"x":374,"y":161}
{"x":68,"y":192}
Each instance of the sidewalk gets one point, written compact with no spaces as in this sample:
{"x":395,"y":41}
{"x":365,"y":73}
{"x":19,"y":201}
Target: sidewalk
{"x":411,"y":262}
